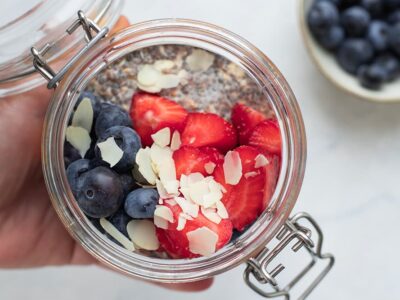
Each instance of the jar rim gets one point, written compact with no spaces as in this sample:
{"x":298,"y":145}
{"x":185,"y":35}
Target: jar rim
{"x":212,"y":38}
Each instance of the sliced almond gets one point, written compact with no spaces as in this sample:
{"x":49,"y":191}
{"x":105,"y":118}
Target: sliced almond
{"x":260,"y":161}
{"x":181,"y":222}
{"x":209,"y":167}
{"x":211,"y":214}
{"x":175,"y":141}
{"x":164,"y":212}
{"x":172,"y":187}
{"x":212,"y":198}
{"x":83,"y":115}
{"x":184,"y":181}
{"x":159,"y":155}
{"x":194,"y":177}
{"x":168,"y":81}
{"x":148,"y":76}
{"x":232,"y":168}
{"x":110,"y":151}
{"x":171,"y":202}
{"x":150,"y":89}
{"x":79,"y":138}
{"x":162,"y":137}
{"x":198,"y":190}
{"x":202,"y":241}
{"x":160,"y":222}
{"x":161,"y":190}
{"x":221,"y":210}
{"x":143,"y":234}
{"x":200,"y":60}
{"x":164,"y":65}
{"x":187,"y":207}
{"x":116,"y":234}
{"x":250,"y":174}
{"x":143,"y":160}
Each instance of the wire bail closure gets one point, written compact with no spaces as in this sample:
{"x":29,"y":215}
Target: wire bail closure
{"x":292,"y":230}
{"x":93,"y":33}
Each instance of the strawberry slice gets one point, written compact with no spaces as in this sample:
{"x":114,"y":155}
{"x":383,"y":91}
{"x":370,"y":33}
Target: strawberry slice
{"x":207,"y":129}
{"x":176,"y":243}
{"x":245,"y":200}
{"x":272,"y":173}
{"x":267,"y":137}
{"x":191,"y":160}
{"x":150,"y":113}
{"x":244,"y":119}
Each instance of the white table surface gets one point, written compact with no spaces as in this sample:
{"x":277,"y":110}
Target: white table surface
{"x":351,"y":185}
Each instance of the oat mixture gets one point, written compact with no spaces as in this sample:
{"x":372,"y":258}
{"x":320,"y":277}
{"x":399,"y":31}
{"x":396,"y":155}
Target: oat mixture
{"x":199,"y":80}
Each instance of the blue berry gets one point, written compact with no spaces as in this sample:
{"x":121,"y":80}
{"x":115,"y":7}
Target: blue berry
{"x":70,"y":154}
{"x":75,"y":170}
{"x":321,"y":16}
{"x":120,"y":219}
{"x":99,"y":192}
{"x":378,"y":32}
{"x":394,"y":38}
{"x":394,"y":17}
{"x":128,"y":183}
{"x":335,"y":2}
{"x":371,"y":77}
{"x":129,"y":142}
{"x":141,"y":203}
{"x":353,"y":53}
{"x":348,"y":3}
{"x":390,"y":63}
{"x":374,"y":7}
{"x":111,"y":115}
{"x":332,"y":39}
{"x":355,"y":21}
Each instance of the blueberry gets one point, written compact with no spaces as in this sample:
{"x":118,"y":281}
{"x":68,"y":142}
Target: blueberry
{"x":348,"y":3}
{"x":335,"y":2}
{"x":353,"y":53}
{"x":70,"y":154}
{"x":355,"y":21}
{"x":141,"y":203}
{"x":75,"y":170}
{"x":120,"y":219}
{"x":109,"y":116}
{"x":394,"y":38}
{"x":321,"y":16}
{"x":371,"y":77}
{"x":394,"y":17}
{"x":128,"y":183}
{"x":129,"y":142}
{"x":374,"y":7}
{"x":99,"y":192}
{"x":332,"y":39}
{"x":391,"y":4}
{"x":390,"y":63}
{"x":378,"y":32}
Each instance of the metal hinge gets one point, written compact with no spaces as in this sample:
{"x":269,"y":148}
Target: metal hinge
{"x":93,"y":33}
{"x":291,"y":231}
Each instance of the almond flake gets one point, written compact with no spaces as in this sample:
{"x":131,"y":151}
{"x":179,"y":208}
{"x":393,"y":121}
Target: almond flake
{"x":200,"y":60}
{"x":172,"y":187}
{"x":161,"y":190}
{"x":214,"y":186}
{"x":160,"y":222}
{"x":194,"y":177}
{"x":110,"y":151}
{"x":164,"y":212}
{"x":260,"y":161}
{"x":175,"y":141}
{"x":202,"y":241}
{"x":250,"y":174}
{"x":209,"y":167}
{"x":171,"y":202}
{"x":159,"y":155}
{"x":232,"y":168}
{"x":162,"y":137}
{"x":187,"y":207}
{"x":143,"y":234}
{"x":181,"y":222}
{"x":163,"y":65}
{"x":211,"y":198}
{"x":198,"y":190}
{"x":161,"y":201}
{"x":184,"y":181}
{"x":185,"y":192}
{"x":116,"y":234}
{"x":211,"y":214}
{"x":143,"y":160}
{"x":79,"y":138}
{"x":83,"y":115}
{"x":148,"y":76}
{"x":149,"y":89}
{"x":221,"y":210}
{"x":168,"y":81}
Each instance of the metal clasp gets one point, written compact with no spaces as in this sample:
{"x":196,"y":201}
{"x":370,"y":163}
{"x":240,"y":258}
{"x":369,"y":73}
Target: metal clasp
{"x":292,"y":230}
{"x":93,"y":33}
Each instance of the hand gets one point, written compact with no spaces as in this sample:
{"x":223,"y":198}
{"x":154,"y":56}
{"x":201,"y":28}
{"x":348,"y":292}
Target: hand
{"x":31,"y":234}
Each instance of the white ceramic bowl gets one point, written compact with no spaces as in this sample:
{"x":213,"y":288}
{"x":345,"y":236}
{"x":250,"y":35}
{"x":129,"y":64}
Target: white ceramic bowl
{"x":328,"y":66}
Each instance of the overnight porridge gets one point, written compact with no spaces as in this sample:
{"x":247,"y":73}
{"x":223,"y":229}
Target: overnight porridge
{"x":172,"y":152}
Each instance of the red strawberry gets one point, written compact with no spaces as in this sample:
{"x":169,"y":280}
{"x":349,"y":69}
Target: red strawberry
{"x":150,"y":113}
{"x":267,"y":136}
{"x":245,"y":200}
{"x":176,"y":243}
{"x":272,"y":173}
{"x":207,"y":129}
{"x":191,"y":160}
{"x":244,"y":119}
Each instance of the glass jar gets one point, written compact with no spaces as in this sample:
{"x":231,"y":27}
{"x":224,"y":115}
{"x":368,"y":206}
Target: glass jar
{"x":250,"y":246}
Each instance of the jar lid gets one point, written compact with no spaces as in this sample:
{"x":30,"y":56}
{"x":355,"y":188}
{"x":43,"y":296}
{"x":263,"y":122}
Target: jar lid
{"x":36,"y":23}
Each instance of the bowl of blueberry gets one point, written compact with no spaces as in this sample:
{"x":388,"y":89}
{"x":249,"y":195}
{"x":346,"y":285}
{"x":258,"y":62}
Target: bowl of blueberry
{"x":356,"y":45}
